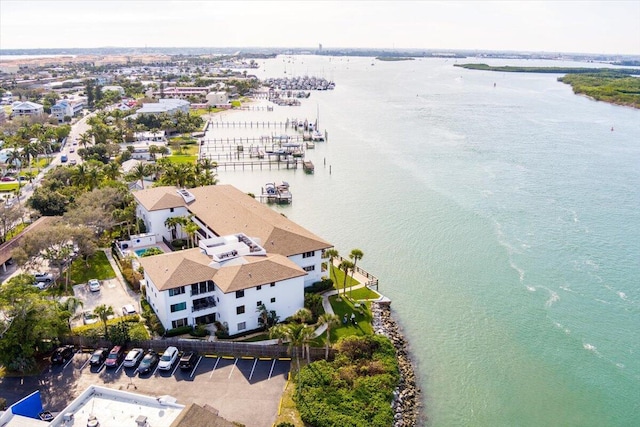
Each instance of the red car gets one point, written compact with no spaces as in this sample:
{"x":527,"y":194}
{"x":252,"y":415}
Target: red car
{"x":115,"y":357}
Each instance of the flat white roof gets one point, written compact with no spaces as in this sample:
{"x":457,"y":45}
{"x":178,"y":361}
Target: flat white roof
{"x":118,"y":408}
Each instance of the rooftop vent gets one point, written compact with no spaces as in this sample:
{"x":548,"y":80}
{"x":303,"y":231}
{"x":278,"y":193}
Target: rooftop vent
{"x":92,"y":421}
{"x":141,"y":421}
{"x":186,"y":195}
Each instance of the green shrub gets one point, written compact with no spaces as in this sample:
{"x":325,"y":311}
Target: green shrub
{"x":321,"y":286}
{"x":178,"y":331}
{"x":199,"y":331}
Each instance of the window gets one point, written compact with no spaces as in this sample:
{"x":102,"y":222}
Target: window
{"x":273,"y":299}
{"x":170,"y":209}
{"x":240,"y":309}
{"x":308,"y":254}
{"x":176,"y":291}
{"x":309,"y":268}
{"x":178,"y":307}
{"x":178,"y":323}
{"x":258,"y":287}
{"x":272,"y":284}
{"x":259,"y":303}
{"x":239,"y":294}
{"x":242,"y":326}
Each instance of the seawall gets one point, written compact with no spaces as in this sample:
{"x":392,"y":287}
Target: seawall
{"x":407,"y":401}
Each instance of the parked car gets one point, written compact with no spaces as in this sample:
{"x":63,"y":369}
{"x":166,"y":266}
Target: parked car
{"x":94,"y":285}
{"x":133,"y":358}
{"x":98,"y":357}
{"x":73,"y":162}
{"x":168,"y":358}
{"x":64,"y":158}
{"x":62,"y":354}
{"x":89,"y":317}
{"x":149,"y":362}
{"x":7,"y":178}
{"x":115,"y":357}
{"x":128,"y":310}
{"x":188,"y":360}
{"x":41,"y":285}
{"x":44,"y":277}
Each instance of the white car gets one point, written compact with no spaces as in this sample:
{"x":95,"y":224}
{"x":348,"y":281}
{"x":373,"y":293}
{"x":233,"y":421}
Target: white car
{"x":94,"y":285}
{"x":89,"y":318}
{"x":128,"y":310}
{"x":133,"y":358}
{"x":168,"y":358}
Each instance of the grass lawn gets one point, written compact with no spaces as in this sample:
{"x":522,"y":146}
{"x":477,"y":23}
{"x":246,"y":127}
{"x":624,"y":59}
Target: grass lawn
{"x":338,"y":279}
{"x":181,"y":158}
{"x":15,"y":230}
{"x":362,"y":293}
{"x":363,"y":319}
{"x":99,"y":268}
{"x":287,"y":411}
{"x":9,"y":186}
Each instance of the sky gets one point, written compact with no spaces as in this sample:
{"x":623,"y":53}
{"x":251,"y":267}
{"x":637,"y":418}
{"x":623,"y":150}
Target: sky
{"x":611,"y":27}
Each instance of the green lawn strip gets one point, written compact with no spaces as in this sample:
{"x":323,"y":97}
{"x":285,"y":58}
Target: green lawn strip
{"x":362,"y":294}
{"x":98,"y":268}
{"x":363,"y":319}
{"x":9,"y":186}
{"x":181,"y":158}
{"x":338,"y":279}
{"x":15,"y":230}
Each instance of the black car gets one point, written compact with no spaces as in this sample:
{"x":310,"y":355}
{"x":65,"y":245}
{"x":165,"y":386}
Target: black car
{"x":62,"y":354}
{"x":188,"y":360}
{"x":149,"y":362}
{"x":98,"y":357}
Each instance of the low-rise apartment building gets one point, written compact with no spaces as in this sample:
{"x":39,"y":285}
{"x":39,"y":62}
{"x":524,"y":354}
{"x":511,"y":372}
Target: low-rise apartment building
{"x":247,"y":255}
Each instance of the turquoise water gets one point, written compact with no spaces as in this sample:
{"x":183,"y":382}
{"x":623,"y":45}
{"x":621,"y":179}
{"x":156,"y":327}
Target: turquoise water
{"x":139,"y":252}
{"x":503,"y":221}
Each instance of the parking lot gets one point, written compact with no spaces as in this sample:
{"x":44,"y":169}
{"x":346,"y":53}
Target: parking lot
{"x":112,"y":293}
{"x":246,"y":390}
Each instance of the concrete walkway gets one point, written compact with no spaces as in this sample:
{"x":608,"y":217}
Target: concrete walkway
{"x":119,"y":276}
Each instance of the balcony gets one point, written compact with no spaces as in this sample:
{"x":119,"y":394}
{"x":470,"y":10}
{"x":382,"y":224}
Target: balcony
{"x":203,"y":304}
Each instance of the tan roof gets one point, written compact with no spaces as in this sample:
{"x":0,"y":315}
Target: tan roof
{"x":227,"y":210}
{"x":199,"y":416}
{"x":259,"y":270}
{"x":182,"y":268}
{"x":158,"y":198}
{"x":175,"y":269}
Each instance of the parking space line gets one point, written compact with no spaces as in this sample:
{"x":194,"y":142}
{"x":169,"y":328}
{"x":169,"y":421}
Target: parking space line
{"x":155,"y":370}
{"x":120,"y":367}
{"x":264,"y":358}
{"x":271,"y":370}
{"x":228,"y":357}
{"x":246,"y":357}
{"x":214,"y":368}
{"x":85,"y":364}
{"x":175,"y":369}
{"x":255,"y":362}
{"x":232,"y":368}
{"x":212,"y":356}
{"x":68,"y":361}
{"x":285,"y":359}
{"x":196,"y":367}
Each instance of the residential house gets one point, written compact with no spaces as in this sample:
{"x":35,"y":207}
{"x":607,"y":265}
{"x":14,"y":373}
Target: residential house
{"x":247,"y":255}
{"x":71,"y":107}
{"x":215,"y":99}
{"x":26,"y":108}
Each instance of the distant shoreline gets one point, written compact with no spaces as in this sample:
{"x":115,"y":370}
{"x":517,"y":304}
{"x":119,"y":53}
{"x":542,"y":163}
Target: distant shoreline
{"x":616,"y":86}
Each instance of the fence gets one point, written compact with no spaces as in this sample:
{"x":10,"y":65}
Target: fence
{"x":218,"y":348}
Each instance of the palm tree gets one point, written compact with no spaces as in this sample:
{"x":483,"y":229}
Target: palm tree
{"x":80,"y":176}
{"x":172,"y":224}
{"x":103,"y":311}
{"x":112,"y":171}
{"x":355,"y":255}
{"x":345,"y":266}
{"x":191,"y":228}
{"x":296,"y":334}
{"x":138,"y":173}
{"x":330,"y":320}
{"x":331,"y":254}
{"x":85,"y":139}
{"x":69,"y":308}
